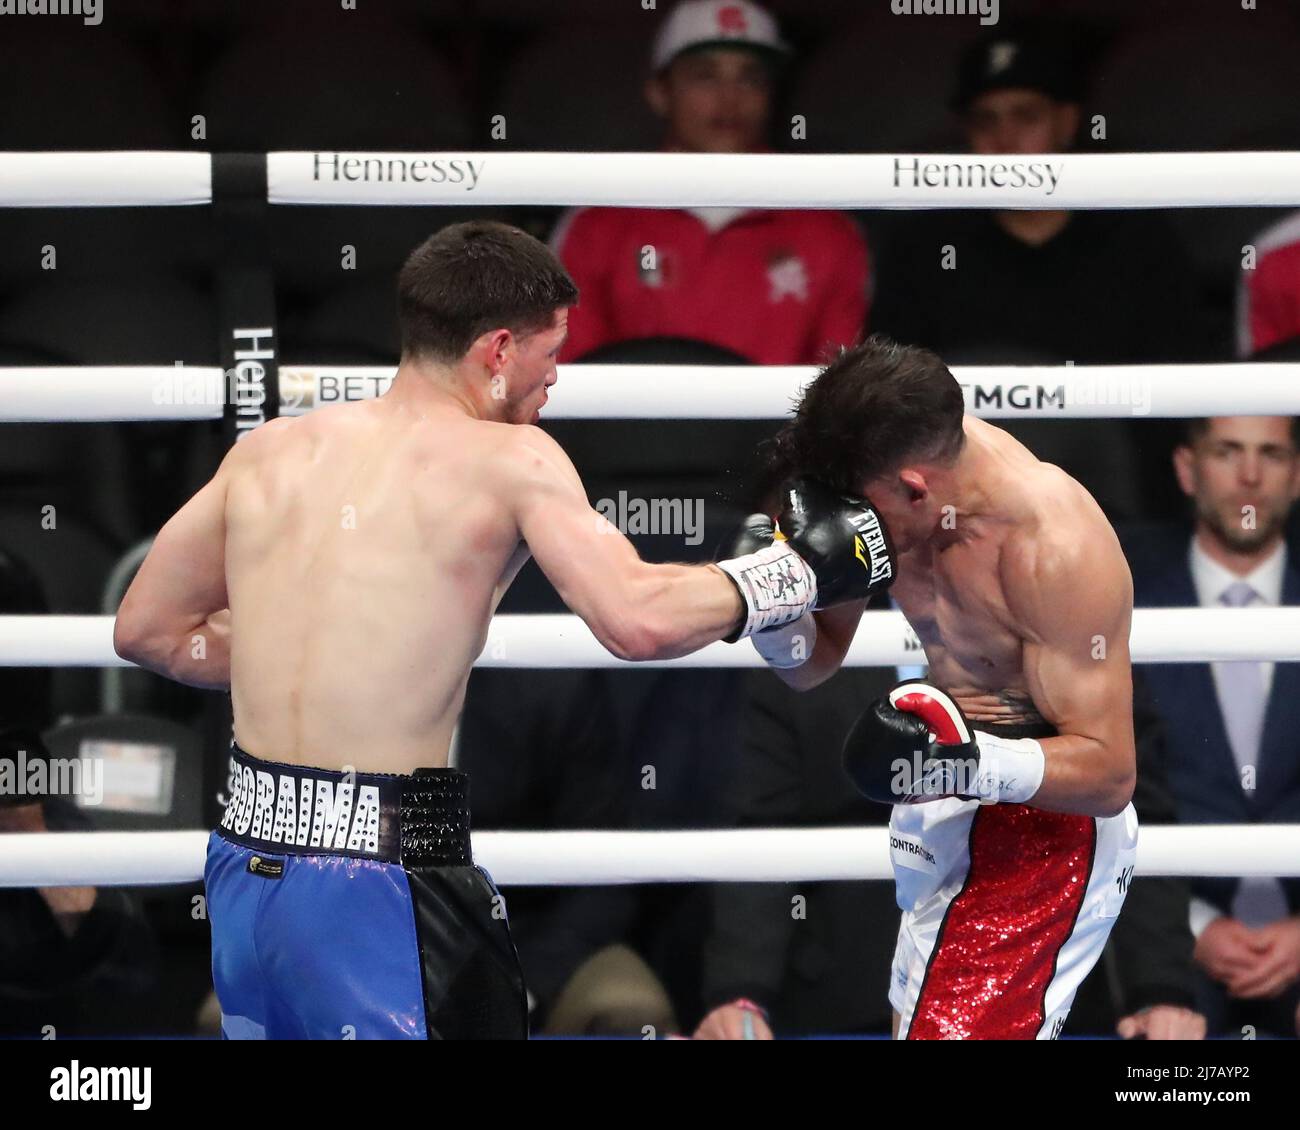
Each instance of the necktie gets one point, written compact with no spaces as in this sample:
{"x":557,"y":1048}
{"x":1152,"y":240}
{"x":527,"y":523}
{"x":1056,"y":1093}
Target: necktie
{"x":1243,"y":701}
{"x":1241,"y":690}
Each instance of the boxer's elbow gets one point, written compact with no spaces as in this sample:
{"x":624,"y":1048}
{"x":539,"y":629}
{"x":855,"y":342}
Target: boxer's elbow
{"x":642,"y":622}
{"x":1121,"y":798}
{"x":138,"y":641}
{"x":130,"y":639}
{"x":623,"y":642}
{"x":1118,"y":792}
{"x":636,"y":638}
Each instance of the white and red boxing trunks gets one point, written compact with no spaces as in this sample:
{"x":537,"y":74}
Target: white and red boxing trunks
{"x":1006,"y":909}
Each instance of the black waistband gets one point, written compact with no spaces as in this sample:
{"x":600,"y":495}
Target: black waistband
{"x":283,"y":809}
{"x":1014,"y":730}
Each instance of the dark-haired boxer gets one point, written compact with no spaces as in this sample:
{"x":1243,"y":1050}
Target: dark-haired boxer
{"x":361,"y":552}
{"x":1011,"y":769}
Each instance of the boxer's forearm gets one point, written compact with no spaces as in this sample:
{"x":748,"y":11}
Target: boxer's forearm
{"x":198,"y":656}
{"x":1085,"y":776}
{"x":673,"y":610}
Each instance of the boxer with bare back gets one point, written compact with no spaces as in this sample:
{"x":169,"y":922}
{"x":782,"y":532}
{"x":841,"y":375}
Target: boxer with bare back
{"x":338,"y":575}
{"x":1011,"y":765}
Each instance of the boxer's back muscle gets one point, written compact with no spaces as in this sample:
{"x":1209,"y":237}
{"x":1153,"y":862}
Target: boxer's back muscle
{"x":364,"y":550}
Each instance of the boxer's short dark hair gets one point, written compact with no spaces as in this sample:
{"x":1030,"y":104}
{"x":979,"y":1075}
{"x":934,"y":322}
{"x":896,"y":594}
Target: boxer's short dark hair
{"x":875,"y":407}
{"x":474,"y":277}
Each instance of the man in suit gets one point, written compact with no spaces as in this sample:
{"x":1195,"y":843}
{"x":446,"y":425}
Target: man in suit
{"x":1234,"y":751}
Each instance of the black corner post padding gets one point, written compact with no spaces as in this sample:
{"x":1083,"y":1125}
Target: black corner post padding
{"x":244,"y":287}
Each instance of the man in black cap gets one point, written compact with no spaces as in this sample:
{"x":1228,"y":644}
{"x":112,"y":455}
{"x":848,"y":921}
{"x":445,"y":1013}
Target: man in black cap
{"x":1095,"y":287}
{"x":1091,"y":287}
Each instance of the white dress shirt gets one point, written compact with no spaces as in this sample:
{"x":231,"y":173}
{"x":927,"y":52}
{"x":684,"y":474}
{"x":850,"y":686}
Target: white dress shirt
{"x":1211,"y":581}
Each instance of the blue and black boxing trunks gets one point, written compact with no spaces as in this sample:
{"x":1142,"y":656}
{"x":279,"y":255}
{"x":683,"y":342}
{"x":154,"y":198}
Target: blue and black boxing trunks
{"x":348,"y":906}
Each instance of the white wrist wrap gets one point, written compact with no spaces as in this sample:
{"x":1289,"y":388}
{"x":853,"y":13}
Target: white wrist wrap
{"x":789,"y":645}
{"x":1010,"y":769}
{"x":776,"y":586}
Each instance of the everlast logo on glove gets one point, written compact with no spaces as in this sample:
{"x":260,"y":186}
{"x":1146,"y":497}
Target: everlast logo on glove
{"x":872,"y":545}
{"x":822,"y":550}
{"x":840,"y":537}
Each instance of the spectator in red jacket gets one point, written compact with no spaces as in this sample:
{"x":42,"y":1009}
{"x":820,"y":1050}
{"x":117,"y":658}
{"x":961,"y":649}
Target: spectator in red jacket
{"x":778,"y":287}
{"x":1268,"y":306}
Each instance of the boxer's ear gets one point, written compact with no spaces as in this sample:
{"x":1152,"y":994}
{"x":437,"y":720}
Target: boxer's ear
{"x":914,"y":484}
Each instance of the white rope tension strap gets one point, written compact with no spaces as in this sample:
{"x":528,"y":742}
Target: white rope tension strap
{"x":596,"y":858}
{"x":664,"y":392}
{"x":779,"y":180}
{"x":1159,"y":635}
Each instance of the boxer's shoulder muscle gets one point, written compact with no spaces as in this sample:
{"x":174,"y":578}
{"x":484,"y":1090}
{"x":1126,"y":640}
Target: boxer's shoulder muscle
{"x":265,"y":441}
{"x":1066,"y":564}
{"x":532,"y":464}
{"x":247,"y":464}
{"x":1061,"y":520}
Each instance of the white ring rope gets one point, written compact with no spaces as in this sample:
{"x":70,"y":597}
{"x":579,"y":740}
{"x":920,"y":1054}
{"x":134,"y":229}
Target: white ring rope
{"x":1055,"y":181}
{"x":104,"y":180}
{"x":666,"y":392}
{"x":668,"y":180}
{"x":83,"y":393}
{"x":1159,"y":635}
{"x":757,"y":392}
{"x":781,"y":180}
{"x":749,"y":855}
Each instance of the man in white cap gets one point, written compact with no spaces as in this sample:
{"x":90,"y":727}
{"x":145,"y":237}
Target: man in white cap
{"x":778,"y":287}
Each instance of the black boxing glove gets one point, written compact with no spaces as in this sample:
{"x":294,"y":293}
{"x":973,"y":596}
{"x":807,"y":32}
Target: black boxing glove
{"x":916,"y":745}
{"x":843,"y":540}
{"x":757,"y":531}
